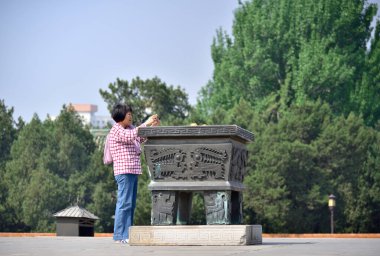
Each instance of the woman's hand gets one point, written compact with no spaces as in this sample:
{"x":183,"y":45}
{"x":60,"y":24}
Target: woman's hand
{"x":153,"y":120}
{"x":156,"y":122}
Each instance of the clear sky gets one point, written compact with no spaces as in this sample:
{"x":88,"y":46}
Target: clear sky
{"x":55,"y":52}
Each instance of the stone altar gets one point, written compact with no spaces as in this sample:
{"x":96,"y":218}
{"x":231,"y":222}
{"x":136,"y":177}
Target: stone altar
{"x":183,"y":160}
{"x":187,"y":159}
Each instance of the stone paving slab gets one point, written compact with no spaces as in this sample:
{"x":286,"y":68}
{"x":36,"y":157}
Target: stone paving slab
{"x":94,"y":246}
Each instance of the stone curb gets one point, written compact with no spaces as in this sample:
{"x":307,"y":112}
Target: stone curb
{"x":339,"y":235}
{"x":350,"y":235}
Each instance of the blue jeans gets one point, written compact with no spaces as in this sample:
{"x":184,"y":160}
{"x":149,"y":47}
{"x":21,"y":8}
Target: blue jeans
{"x":125,"y":205}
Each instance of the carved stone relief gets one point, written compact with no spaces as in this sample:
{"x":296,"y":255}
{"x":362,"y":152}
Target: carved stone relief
{"x":208,"y":163}
{"x":188,"y":162}
{"x":238,"y":164}
{"x":218,"y":207}
{"x":164,"y":207}
{"x":168,"y":163}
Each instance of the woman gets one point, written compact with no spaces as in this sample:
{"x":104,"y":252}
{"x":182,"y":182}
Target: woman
{"x":124,"y":146}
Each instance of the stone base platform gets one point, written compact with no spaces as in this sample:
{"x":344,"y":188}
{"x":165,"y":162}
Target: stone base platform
{"x":196,"y":235}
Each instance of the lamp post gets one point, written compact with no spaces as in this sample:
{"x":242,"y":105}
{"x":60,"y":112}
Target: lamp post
{"x":332,"y":206}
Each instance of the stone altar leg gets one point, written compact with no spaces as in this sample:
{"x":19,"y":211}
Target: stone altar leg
{"x":185,"y":200}
{"x":164,"y":207}
{"x":217,"y":207}
{"x":236,"y":207}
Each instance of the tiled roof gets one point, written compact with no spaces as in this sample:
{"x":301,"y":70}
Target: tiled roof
{"x":75,"y":212}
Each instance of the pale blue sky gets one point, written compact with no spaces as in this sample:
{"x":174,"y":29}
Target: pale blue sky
{"x":54,"y":52}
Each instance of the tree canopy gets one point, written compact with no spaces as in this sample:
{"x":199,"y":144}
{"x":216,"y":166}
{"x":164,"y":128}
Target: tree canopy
{"x":147,"y":97}
{"x":293,"y":51}
{"x":43,"y":159}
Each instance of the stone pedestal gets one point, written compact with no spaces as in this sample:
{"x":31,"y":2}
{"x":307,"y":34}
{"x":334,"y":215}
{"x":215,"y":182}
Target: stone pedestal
{"x":196,"y":235}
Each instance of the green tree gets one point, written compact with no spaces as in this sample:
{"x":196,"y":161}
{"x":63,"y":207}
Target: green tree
{"x":292,"y":51}
{"x":42,"y":198}
{"x":149,"y":96}
{"x":25,"y":152}
{"x":48,"y":170}
{"x":8,"y":133}
{"x":101,"y":193}
{"x":349,"y":156}
{"x":75,"y":143}
{"x":368,"y":94}
{"x":284,"y":181}
{"x":297,"y":162}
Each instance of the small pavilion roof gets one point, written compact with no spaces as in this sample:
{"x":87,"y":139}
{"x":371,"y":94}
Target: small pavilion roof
{"x":75,"y":212}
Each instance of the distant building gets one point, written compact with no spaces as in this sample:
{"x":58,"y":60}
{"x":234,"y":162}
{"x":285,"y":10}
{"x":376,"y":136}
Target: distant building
{"x":87,"y":112}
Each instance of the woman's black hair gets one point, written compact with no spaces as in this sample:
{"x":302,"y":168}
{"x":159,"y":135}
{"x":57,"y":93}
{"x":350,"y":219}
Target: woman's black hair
{"x":119,"y":112}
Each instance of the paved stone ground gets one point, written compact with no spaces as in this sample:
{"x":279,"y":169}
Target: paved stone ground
{"x":75,"y":246}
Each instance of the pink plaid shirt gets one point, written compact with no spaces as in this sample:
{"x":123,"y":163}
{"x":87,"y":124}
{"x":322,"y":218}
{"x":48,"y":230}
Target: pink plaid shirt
{"x":125,"y":149}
